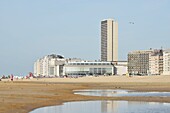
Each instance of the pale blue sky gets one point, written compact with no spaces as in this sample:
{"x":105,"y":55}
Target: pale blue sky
{"x":30,"y":29}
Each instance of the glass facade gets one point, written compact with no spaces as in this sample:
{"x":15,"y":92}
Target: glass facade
{"x":89,"y":68}
{"x":89,"y":63}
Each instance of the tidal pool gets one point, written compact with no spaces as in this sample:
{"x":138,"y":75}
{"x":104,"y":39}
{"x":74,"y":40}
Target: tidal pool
{"x":119,"y":93}
{"x":107,"y":107}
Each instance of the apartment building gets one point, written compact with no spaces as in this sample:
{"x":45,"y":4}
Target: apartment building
{"x":156,"y":62}
{"x":145,"y":62}
{"x":138,"y":62}
{"x":166,"y":62}
{"x":50,"y":65}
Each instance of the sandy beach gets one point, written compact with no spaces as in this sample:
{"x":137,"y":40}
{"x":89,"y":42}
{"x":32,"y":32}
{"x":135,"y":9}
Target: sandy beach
{"x":22,"y":96}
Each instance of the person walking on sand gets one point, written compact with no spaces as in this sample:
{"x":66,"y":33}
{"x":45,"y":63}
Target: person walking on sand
{"x":11,"y":77}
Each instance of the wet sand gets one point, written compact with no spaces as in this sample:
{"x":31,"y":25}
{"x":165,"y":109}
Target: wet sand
{"x":22,"y":96}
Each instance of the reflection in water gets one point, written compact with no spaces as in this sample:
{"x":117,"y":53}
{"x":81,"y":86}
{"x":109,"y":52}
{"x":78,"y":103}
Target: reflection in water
{"x":107,"y":107}
{"x":119,"y":93}
{"x":110,"y":106}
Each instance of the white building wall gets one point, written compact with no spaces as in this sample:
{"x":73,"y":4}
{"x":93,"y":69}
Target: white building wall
{"x":45,"y":66}
{"x":57,"y":67}
{"x":166,"y":62}
{"x":120,"y":70}
{"x":154,"y":65}
{"x":48,"y":66}
{"x":115,"y":41}
{"x":37,"y":68}
{"x":52,"y":65}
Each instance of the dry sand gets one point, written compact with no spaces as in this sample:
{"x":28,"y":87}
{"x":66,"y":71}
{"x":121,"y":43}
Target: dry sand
{"x":22,"y":96}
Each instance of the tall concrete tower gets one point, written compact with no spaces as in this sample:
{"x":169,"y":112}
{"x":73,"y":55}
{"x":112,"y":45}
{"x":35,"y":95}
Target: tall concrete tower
{"x":109,"y":40}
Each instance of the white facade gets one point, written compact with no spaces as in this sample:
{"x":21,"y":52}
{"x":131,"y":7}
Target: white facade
{"x":49,"y":66}
{"x":37,"y":67}
{"x":154,"y":65}
{"x":120,"y":68}
{"x":166,"y":62}
{"x":156,"y":62}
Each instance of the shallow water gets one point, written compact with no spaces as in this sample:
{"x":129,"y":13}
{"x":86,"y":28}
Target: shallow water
{"x":110,"y":106}
{"x":107,"y":107}
{"x":119,"y":93}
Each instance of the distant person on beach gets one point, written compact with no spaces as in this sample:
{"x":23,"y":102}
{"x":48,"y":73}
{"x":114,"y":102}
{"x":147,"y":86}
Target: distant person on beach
{"x":11,"y":77}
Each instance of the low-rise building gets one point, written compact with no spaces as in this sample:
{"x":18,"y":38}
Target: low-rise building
{"x":88,"y":68}
{"x":120,"y":67}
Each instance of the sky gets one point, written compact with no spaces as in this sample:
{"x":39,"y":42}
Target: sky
{"x":31,"y":29}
